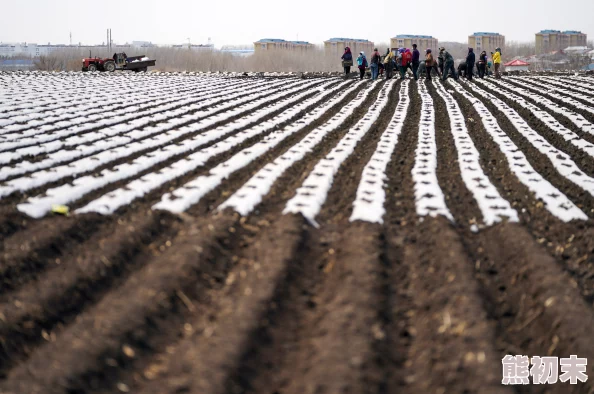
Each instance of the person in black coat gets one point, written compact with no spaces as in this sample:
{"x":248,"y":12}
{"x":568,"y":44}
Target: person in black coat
{"x":347,"y":61}
{"x":470,"y":60}
{"x":462,"y":69}
{"x":482,"y":64}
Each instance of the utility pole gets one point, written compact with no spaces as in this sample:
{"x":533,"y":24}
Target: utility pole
{"x":70,"y":38}
{"x":109,"y":42}
{"x":189,"y":43}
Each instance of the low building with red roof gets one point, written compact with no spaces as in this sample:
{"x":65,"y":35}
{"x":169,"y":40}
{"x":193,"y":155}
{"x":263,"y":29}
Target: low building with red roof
{"x":516,"y":65}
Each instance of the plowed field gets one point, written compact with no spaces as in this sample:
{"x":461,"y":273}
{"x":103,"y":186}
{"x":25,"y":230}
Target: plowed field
{"x":282,"y":234}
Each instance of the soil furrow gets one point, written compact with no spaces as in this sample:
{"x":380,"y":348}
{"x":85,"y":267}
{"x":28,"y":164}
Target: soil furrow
{"x":150,"y":198}
{"x":339,"y":202}
{"x":570,"y":243}
{"x":536,"y":159}
{"x":136,"y":319}
{"x":559,"y":101}
{"x":139,"y":116}
{"x":77,"y":280}
{"x":28,"y":253}
{"x":581,"y":158}
{"x":287,"y":183}
{"x":566,"y":122}
{"x":19,"y":196}
{"x":237,"y":347}
{"x":538,"y":309}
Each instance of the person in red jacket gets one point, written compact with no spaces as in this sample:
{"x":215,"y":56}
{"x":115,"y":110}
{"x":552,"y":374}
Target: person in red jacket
{"x":405,"y":59}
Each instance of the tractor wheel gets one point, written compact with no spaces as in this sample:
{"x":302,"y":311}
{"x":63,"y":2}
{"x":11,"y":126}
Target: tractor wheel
{"x":92,"y":67}
{"x":109,"y":66}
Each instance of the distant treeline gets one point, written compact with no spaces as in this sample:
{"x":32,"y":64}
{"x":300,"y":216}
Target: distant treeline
{"x":170,"y":59}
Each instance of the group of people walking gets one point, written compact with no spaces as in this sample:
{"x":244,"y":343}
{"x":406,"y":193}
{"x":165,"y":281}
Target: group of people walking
{"x":403,"y":59}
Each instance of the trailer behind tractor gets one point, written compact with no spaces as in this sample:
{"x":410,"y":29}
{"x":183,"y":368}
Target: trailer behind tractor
{"x":119,"y":62}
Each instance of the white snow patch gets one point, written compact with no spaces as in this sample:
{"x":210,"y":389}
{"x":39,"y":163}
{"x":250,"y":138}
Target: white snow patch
{"x":429,"y":198}
{"x":494,"y":208}
{"x":369,"y":204}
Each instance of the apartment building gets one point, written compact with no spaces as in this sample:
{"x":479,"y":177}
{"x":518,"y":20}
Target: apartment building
{"x":485,"y":41}
{"x":557,"y":40}
{"x":267,"y":44}
{"x":407,"y":40}
{"x":35,"y":50}
{"x":336,"y":45}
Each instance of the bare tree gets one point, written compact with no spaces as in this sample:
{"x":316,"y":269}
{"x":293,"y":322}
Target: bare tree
{"x":48,"y":63}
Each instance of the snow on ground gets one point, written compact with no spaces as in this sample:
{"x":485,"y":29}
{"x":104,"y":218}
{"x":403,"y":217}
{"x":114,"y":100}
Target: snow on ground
{"x":429,"y":198}
{"x":494,"y":208}
{"x":369,"y":204}
{"x":555,"y":201}
{"x":110,"y":202}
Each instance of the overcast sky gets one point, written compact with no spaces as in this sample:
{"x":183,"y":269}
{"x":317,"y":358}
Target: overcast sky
{"x":245,"y":21}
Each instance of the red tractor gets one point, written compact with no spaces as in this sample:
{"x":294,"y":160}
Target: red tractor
{"x":119,"y":62}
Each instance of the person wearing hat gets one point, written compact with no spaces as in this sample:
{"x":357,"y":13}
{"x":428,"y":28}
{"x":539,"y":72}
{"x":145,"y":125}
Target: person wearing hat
{"x":482,"y":64}
{"x":376,"y":58}
{"x":470,"y":60}
{"x":441,"y":60}
{"x":403,"y":62}
{"x":347,"y":61}
{"x":428,"y":63}
{"x":362,"y":64}
{"x":497,"y":62}
{"x":448,"y":66}
{"x":415,"y":62}
{"x":389,"y":63}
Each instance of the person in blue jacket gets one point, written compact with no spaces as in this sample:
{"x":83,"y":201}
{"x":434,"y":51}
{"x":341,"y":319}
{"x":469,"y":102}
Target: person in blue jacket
{"x":361,"y":64}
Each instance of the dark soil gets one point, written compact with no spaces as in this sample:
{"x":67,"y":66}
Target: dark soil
{"x":146,"y":301}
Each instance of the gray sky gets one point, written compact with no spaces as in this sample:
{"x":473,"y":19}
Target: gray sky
{"x":245,"y":21}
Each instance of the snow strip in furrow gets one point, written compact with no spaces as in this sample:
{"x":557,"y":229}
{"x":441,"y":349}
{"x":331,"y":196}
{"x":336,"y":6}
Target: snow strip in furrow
{"x":310,"y":197}
{"x":563,"y":94}
{"x":369,"y":203}
{"x":251,"y":193}
{"x":429,"y":198}
{"x":99,"y":103}
{"x":494,"y":208}
{"x":47,"y":121}
{"x":574,"y":117}
{"x":584,"y":81}
{"x":85,"y":123}
{"x":167,"y":93}
{"x":555,"y":201}
{"x":110,"y":202}
{"x":189,"y":194}
{"x":547,"y":119}
{"x":194,"y":104}
{"x":574,"y":85}
{"x":561,"y":161}
{"x":165,"y":118}
{"x":101,"y":94}
{"x":39,"y":206}
{"x":165,"y":133}
{"x":129,"y":132}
